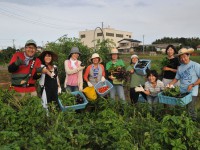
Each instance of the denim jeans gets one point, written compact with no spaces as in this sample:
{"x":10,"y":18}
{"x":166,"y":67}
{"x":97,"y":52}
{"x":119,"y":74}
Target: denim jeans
{"x":119,"y":90}
{"x":191,"y":108}
{"x":152,"y":100}
{"x":71,"y":88}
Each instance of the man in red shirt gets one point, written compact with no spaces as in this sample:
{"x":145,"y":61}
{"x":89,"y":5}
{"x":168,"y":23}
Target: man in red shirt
{"x":25,"y":69}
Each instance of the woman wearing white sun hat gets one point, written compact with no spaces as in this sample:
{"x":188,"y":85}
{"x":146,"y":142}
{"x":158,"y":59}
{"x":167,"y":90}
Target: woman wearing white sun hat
{"x":136,"y":80}
{"x":94,"y":72}
{"x":189,"y":75}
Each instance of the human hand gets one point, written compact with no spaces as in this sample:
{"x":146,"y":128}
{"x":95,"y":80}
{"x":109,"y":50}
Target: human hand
{"x":170,"y":86}
{"x":89,"y":84}
{"x":131,"y":71}
{"x":166,"y":68}
{"x":112,"y":77}
{"x":52,"y":75}
{"x":59,"y":90}
{"x":190,"y":87}
{"x":18,"y":62}
{"x":80,"y":68}
{"x":103,"y":79}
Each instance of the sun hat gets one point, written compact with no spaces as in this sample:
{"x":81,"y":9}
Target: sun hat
{"x":114,"y":51}
{"x":95,"y":55}
{"x":53,"y":55}
{"x":31,"y":42}
{"x":134,"y":56}
{"x":185,"y":51}
{"x":74,"y":50}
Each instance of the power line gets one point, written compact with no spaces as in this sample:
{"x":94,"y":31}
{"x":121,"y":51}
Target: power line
{"x":8,"y":11}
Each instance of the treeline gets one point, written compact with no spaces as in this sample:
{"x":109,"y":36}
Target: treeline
{"x":185,"y":42}
{"x":6,"y":54}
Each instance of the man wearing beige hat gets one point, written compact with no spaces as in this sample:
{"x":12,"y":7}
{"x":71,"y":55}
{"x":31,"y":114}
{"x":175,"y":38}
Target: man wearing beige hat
{"x":189,"y":75}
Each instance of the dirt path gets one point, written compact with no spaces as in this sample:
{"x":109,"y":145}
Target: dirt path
{"x":4,"y":77}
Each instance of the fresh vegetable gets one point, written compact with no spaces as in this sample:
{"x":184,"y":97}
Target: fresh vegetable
{"x":165,"y":61}
{"x":103,"y":89}
{"x":69,"y":99}
{"x":174,"y":92}
{"x":119,"y":73}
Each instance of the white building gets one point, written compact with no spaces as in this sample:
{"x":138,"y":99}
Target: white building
{"x":89,"y":36}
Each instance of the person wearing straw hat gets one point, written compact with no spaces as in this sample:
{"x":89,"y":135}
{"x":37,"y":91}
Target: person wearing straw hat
{"x":94,"y":72}
{"x":189,"y":75}
{"x":74,"y":71}
{"x":25,"y":69}
{"x":49,"y":83}
{"x":117,"y":86}
{"x":137,"y":81}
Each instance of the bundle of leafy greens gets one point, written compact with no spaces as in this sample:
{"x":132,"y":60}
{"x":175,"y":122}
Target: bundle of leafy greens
{"x":174,"y":92}
{"x":119,"y":73}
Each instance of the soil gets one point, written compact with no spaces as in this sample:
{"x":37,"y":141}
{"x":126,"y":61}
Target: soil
{"x":4,"y":77}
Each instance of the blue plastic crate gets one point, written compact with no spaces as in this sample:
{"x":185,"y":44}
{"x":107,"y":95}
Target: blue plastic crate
{"x":102,"y":84}
{"x":142,"y":71}
{"x":173,"y":100}
{"x":77,"y":106}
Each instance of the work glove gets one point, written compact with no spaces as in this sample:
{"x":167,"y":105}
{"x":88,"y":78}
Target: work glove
{"x":89,"y":84}
{"x":80,"y":89}
{"x":139,"y":89}
{"x":103,"y":79}
{"x":18,"y":62}
{"x":59,"y":90}
{"x":170,"y":86}
{"x":52,"y":75}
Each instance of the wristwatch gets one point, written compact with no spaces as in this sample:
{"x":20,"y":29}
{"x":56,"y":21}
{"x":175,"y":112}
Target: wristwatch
{"x":193,"y":85}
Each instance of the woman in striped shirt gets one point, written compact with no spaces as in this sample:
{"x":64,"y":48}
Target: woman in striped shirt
{"x":152,"y":87}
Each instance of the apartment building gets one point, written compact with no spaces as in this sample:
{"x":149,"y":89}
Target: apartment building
{"x":89,"y":36}
{"x":128,"y":45}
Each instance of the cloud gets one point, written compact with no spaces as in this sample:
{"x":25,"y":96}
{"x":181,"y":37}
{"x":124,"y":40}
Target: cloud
{"x":59,"y":3}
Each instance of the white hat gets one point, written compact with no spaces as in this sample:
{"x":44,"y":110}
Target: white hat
{"x":185,"y":51}
{"x":95,"y":55}
{"x":134,"y":56}
{"x":114,"y":51}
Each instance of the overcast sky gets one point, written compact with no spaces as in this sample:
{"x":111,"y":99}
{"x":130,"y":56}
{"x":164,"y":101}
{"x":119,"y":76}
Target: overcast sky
{"x":47,"y":20}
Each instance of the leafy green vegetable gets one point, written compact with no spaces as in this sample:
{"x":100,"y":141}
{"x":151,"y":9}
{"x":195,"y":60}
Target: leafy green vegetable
{"x":165,"y":61}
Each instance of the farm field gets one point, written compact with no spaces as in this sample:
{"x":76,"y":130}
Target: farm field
{"x":104,"y":124}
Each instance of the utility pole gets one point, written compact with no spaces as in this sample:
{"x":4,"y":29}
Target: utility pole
{"x":143,"y":44}
{"x":13,"y":43}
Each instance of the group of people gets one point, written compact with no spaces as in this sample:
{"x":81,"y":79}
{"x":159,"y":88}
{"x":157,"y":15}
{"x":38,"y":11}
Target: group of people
{"x":26,"y":69}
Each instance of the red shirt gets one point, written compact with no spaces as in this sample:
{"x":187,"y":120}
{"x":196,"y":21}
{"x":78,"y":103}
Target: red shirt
{"x":23,"y":69}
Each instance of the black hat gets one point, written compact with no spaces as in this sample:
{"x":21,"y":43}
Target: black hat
{"x":53,"y":55}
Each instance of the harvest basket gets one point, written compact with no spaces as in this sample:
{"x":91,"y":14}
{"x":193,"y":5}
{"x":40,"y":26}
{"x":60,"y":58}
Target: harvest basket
{"x":77,"y":106}
{"x":175,"y":101}
{"x":101,"y":84}
{"x":142,"y":70}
